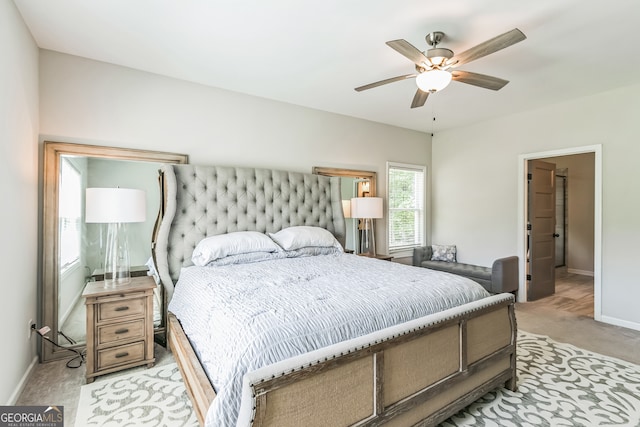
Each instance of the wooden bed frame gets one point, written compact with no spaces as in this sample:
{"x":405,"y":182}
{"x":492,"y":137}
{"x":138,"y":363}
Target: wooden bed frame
{"x":418,"y":373}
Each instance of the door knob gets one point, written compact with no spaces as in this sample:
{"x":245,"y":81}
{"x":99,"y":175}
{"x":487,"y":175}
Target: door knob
{"x":556,"y":235}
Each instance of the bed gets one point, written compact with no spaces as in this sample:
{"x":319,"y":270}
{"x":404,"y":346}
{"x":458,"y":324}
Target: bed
{"x":417,"y":368}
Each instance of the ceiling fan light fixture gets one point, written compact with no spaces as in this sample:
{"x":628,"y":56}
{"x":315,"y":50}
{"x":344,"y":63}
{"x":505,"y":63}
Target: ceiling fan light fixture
{"x":433,"y":66}
{"x":438,"y":56}
{"x":433,"y":81}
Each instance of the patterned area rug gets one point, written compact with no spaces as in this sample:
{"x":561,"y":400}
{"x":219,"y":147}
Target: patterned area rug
{"x":150,"y":398}
{"x":558,"y":385}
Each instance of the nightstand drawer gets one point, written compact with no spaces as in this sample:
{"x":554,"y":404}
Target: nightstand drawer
{"x":120,"y":355}
{"x":118,"y":309}
{"x":126,"y":331}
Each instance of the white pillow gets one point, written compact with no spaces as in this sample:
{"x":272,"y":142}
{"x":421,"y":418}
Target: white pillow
{"x":223,"y":245}
{"x":304,"y":236}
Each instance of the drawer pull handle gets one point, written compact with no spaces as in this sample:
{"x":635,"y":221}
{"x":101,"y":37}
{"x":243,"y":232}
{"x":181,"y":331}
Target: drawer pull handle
{"x":122,"y":331}
{"x":123,"y":308}
{"x":123,"y":354}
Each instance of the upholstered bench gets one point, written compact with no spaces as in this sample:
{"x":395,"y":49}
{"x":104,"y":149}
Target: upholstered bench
{"x":501,"y":277}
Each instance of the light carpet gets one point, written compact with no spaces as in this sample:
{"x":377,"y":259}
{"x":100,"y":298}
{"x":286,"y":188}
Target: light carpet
{"x":558,"y":385}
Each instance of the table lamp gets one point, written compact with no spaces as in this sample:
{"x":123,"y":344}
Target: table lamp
{"x":367,"y":209}
{"x":115,"y":207}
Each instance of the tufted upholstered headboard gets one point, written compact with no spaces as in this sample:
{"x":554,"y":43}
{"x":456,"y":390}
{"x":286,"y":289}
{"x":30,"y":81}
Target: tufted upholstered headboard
{"x":203,"y":201}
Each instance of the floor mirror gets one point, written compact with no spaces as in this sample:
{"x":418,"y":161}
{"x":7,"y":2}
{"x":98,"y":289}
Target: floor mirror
{"x":353,"y":183}
{"x":73,"y":250}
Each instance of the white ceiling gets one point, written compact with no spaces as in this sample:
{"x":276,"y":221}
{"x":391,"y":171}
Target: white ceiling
{"x":314,"y":54}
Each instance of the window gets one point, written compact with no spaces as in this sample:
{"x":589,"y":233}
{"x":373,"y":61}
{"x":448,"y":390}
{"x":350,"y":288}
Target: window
{"x":70,"y":214}
{"x":406,"y":186}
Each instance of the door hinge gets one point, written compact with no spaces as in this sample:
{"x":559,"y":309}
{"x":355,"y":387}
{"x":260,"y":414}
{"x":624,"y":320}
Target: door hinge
{"x":529,"y":227}
{"x":528,"y":277}
{"x":529,"y":176}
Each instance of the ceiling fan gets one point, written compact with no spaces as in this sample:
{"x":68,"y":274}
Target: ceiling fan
{"x":436,"y":66}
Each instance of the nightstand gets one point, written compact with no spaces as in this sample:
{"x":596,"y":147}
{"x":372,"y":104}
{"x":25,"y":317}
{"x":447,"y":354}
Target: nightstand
{"x":119,"y":326}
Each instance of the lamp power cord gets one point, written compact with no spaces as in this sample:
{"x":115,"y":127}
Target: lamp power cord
{"x":74,"y":362}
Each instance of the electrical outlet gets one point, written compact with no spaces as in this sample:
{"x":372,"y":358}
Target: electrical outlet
{"x":31,"y":328}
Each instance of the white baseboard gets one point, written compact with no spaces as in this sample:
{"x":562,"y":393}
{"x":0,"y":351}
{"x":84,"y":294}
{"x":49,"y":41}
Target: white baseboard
{"x":619,"y":322}
{"x":23,"y":381}
{"x":581,"y":272}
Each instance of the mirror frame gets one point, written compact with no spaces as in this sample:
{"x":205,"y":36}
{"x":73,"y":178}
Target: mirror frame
{"x":350,"y":173}
{"x":49,"y":256}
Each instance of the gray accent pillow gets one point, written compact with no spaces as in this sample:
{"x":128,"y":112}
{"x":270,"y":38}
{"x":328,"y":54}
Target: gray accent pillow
{"x":445,"y":253}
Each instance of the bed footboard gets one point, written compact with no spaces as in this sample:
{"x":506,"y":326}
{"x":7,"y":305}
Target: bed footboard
{"x":418,"y":373}
{"x":414,"y":374}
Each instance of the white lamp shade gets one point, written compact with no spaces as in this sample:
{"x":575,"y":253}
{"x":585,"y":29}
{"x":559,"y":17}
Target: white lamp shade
{"x":433,"y":81}
{"x":366,"y":207}
{"x":115,"y":205}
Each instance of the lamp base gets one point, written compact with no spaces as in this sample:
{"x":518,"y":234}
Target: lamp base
{"x":368,"y":240}
{"x":117,"y":271}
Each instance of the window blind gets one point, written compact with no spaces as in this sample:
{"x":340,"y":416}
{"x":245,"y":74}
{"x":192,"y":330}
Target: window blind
{"x":406,"y":185}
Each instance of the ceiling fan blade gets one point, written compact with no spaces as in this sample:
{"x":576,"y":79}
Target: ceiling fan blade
{"x":409,"y":51}
{"x":384,"y":82}
{"x":481,"y":80}
{"x":419,"y":99}
{"x":490,"y":46}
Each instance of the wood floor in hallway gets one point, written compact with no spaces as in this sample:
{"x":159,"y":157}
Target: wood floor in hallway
{"x":574,"y":294}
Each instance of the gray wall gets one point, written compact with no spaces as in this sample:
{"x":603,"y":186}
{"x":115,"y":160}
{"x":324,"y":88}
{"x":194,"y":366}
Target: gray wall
{"x":19,"y":190}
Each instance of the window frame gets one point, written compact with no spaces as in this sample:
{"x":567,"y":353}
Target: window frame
{"x":76,"y":221}
{"x":406,"y":250}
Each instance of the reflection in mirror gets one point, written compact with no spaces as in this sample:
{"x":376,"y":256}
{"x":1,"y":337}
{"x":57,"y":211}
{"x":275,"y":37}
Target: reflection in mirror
{"x":354,"y":183}
{"x":73,"y":250}
{"x":82,"y":245}
{"x":350,"y":188}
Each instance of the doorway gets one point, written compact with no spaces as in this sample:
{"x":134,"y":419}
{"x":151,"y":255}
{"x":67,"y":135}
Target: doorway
{"x":594,"y":222}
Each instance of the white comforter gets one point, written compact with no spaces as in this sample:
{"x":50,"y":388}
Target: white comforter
{"x":245,"y":316}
